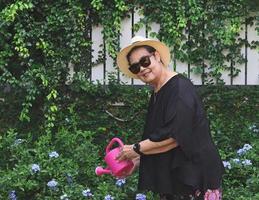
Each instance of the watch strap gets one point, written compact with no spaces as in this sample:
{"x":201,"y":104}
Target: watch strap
{"x":136,"y":148}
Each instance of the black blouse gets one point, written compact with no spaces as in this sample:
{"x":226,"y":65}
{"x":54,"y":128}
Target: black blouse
{"x":176,"y":111}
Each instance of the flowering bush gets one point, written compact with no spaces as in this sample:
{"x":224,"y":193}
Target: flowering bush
{"x":69,"y":174}
{"x":61,"y":164}
{"x":241,"y":178}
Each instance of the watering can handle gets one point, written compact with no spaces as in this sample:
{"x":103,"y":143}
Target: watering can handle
{"x":112,"y":142}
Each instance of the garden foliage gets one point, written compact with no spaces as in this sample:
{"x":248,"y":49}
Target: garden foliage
{"x":31,"y":158}
{"x":54,"y":127}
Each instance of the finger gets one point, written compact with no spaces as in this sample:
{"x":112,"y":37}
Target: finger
{"x":120,"y":154}
{"x":121,"y":157}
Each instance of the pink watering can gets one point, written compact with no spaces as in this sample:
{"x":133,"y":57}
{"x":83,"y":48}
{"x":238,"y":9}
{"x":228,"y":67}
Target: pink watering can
{"x":114,"y":167}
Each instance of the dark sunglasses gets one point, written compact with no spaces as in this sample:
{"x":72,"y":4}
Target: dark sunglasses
{"x":143,"y":62}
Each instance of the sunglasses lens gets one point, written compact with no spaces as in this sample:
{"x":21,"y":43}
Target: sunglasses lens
{"x":135,"y":68}
{"x":145,"y":61}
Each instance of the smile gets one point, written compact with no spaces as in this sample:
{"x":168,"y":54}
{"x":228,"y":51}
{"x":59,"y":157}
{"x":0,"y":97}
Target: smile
{"x":145,"y":74}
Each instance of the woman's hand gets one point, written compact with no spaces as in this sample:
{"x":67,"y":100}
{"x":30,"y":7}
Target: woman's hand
{"x":127,"y":153}
{"x":136,"y":162}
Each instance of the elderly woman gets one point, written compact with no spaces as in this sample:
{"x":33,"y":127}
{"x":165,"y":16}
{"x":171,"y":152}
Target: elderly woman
{"x":176,"y":157}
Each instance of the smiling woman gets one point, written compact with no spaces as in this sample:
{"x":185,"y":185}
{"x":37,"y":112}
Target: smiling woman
{"x":178,"y":159}
{"x":150,"y":46}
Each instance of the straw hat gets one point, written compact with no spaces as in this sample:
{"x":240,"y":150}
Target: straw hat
{"x":160,"y":47}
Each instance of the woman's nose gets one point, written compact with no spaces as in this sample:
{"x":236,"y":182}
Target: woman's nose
{"x":141,"y":69}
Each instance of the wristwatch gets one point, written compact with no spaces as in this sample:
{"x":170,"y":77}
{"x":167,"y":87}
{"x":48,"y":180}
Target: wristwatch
{"x":136,"y":148}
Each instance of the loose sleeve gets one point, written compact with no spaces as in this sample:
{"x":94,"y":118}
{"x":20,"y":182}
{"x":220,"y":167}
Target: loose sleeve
{"x":177,"y":124}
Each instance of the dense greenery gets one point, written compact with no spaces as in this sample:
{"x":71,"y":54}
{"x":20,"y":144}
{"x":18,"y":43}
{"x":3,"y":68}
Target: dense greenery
{"x":62,"y":124}
{"x":84,"y":127}
{"x":39,"y":40}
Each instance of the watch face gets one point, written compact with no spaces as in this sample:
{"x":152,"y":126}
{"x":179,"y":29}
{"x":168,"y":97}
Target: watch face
{"x":136,"y":146}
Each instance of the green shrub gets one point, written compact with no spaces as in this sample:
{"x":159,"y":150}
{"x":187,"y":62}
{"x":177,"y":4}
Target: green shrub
{"x":83,"y":130}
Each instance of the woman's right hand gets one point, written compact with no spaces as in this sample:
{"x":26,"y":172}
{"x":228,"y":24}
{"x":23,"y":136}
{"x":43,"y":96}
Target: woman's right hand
{"x":136,"y":162}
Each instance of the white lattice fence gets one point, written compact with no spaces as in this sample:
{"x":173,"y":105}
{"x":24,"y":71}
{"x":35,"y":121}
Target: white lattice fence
{"x":249,"y":74}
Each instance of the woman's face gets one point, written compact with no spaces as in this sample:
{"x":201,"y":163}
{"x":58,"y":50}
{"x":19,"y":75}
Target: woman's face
{"x":151,"y":73}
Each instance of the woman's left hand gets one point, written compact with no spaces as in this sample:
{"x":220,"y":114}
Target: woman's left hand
{"x":127,"y":153}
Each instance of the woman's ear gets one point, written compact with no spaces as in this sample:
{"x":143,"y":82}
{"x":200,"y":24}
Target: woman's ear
{"x":157,"y":56}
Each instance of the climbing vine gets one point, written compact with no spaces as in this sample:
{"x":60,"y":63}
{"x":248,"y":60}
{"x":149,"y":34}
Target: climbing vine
{"x":202,"y":33}
{"x":40,"y":40}
{"x":37,"y":42}
{"x":205,"y":34}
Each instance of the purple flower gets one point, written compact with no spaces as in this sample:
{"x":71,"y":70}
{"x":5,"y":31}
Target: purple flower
{"x":12,"y":195}
{"x":35,"y":168}
{"x":227,"y":164}
{"x":240,"y":151}
{"x":18,"y":141}
{"x":236,"y":160}
{"x":247,"y":147}
{"x":246,"y":162}
{"x":254,"y":128}
{"x":52,"y":184}
{"x":243,"y":150}
{"x":120,"y":182}
{"x":53,"y":154}
{"x":108,"y":197}
{"x":140,"y":197}
{"x":64,"y":197}
{"x":87,"y":193}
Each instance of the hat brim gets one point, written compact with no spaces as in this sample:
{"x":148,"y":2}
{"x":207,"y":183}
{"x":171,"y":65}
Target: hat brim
{"x":160,"y":47}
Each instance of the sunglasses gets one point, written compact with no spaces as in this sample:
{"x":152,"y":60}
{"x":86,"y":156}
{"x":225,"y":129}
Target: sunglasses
{"x":143,"y":62}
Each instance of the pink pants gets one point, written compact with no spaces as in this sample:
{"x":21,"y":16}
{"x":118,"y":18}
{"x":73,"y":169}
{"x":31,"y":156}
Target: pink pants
{"x":213,"y":195}
{"x":209,"y":195}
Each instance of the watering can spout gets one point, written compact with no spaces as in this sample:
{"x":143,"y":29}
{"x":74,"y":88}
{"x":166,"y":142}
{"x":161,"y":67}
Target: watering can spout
{"x":100,"y":171}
